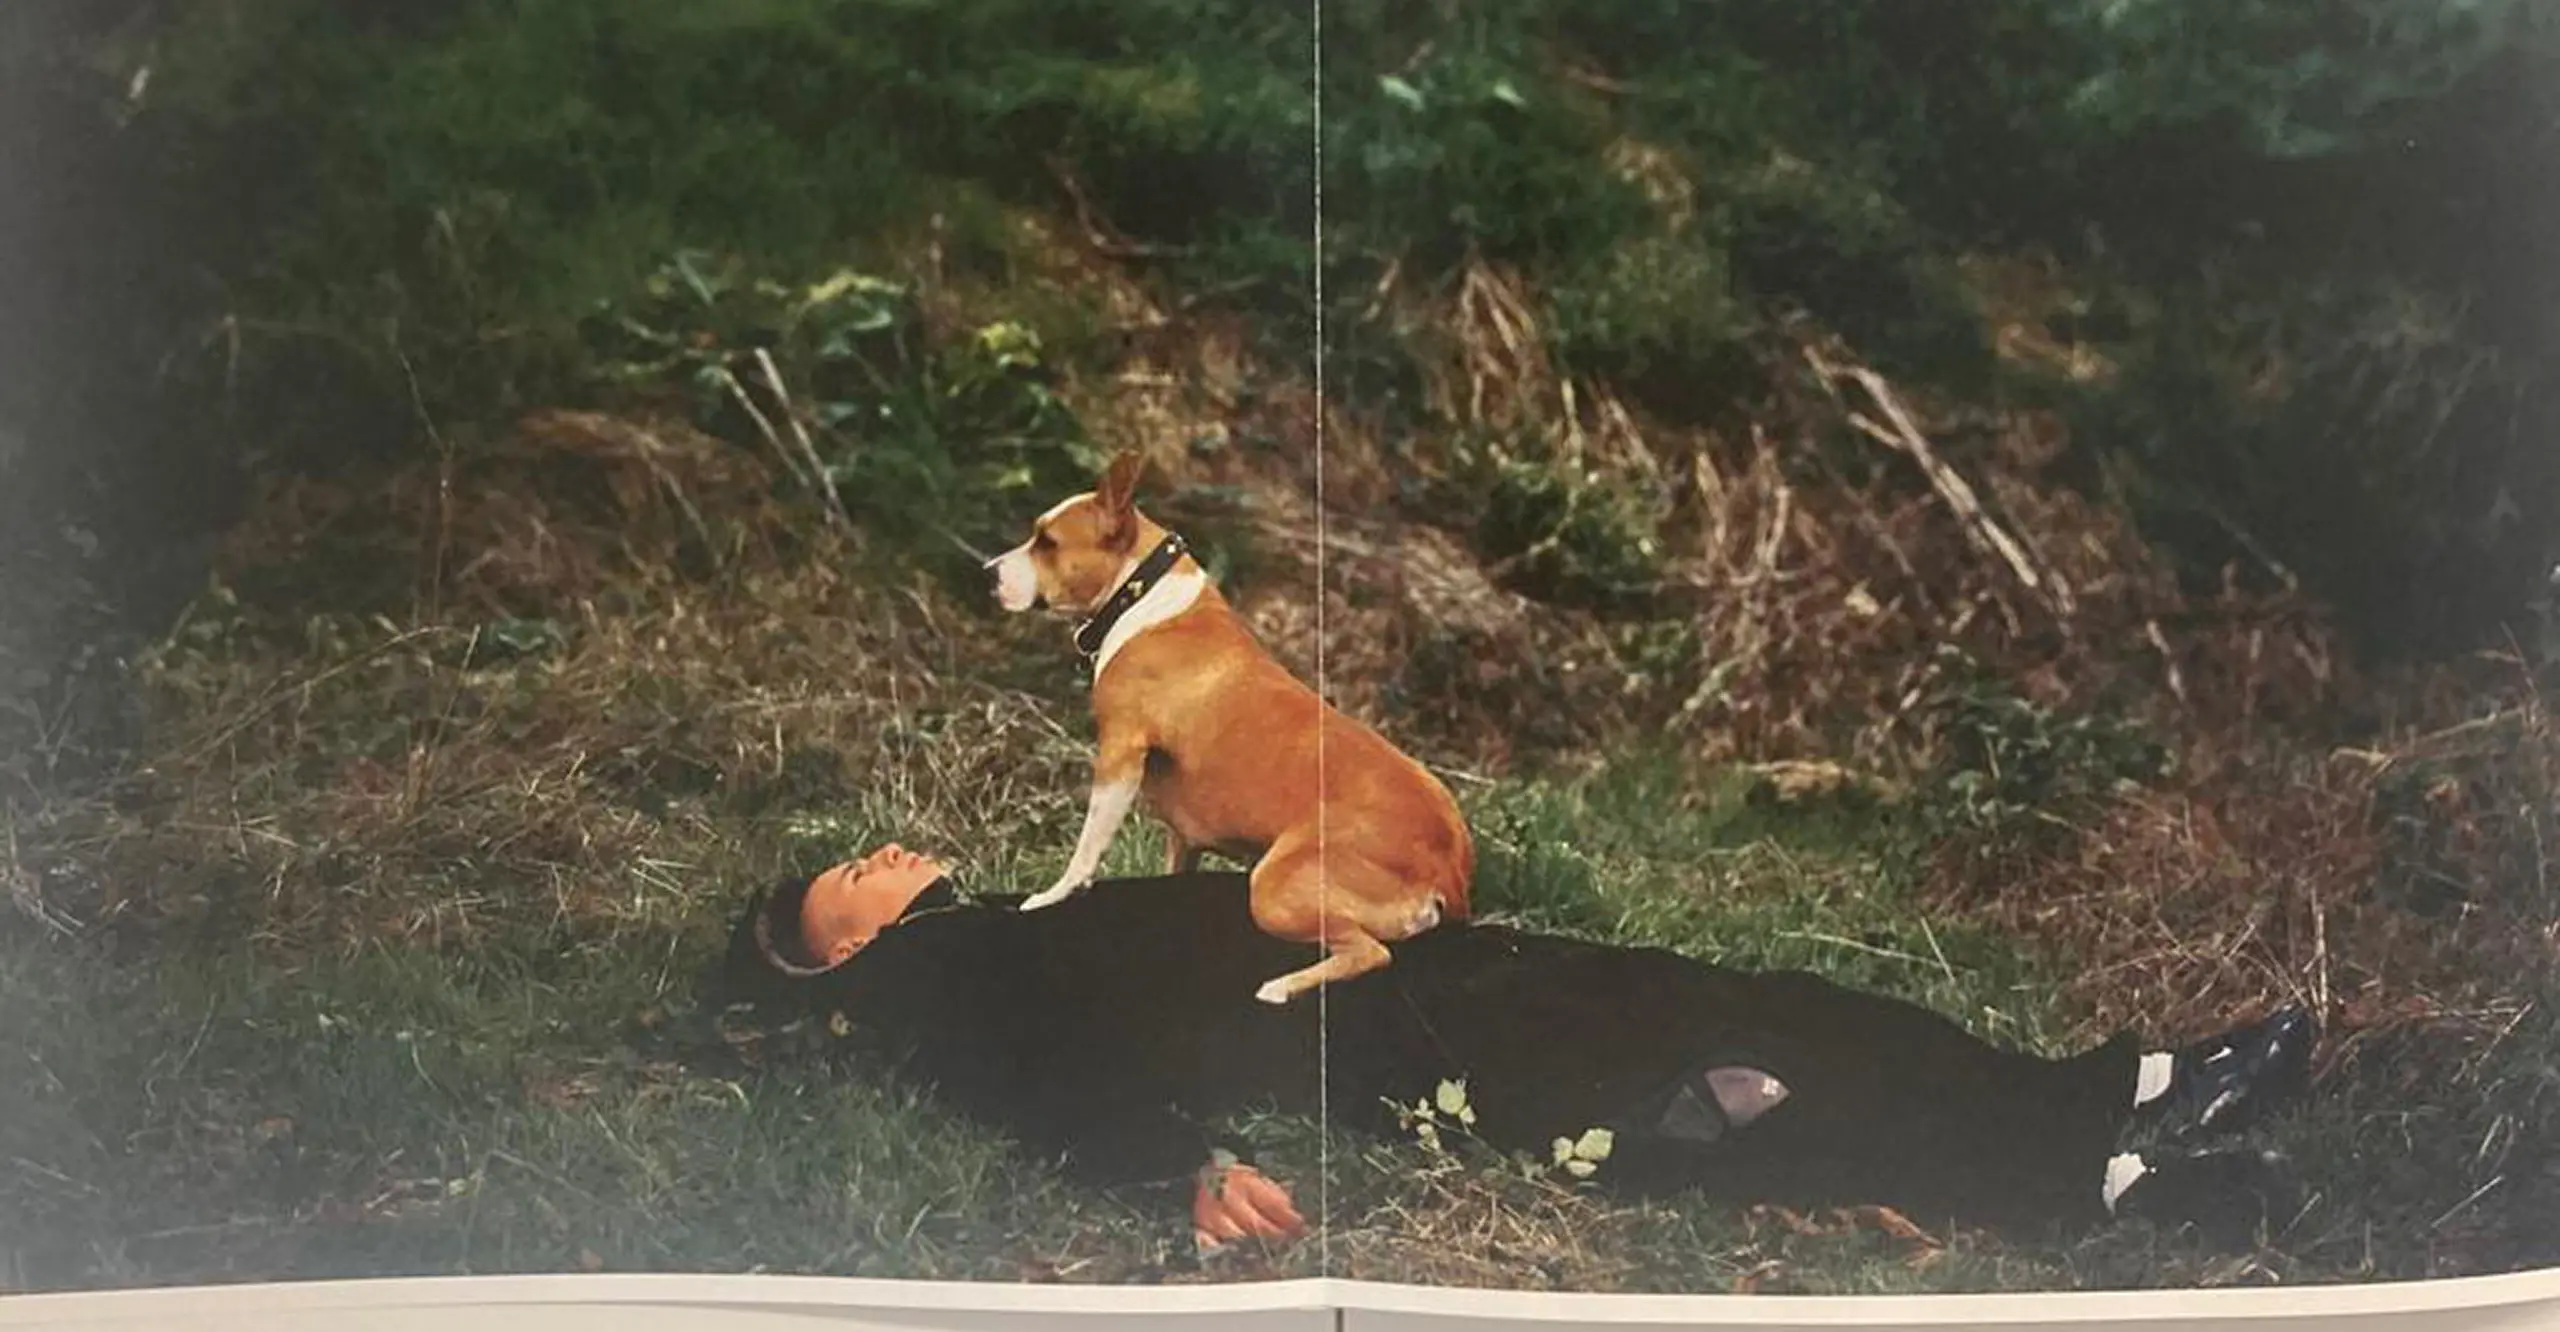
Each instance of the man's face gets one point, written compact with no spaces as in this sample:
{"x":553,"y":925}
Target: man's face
{"x":849,"y":904}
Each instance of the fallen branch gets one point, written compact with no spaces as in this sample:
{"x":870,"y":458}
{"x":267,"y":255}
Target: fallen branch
{"x":819,"y":483}
{"x":808,"y":450}
{"x":1105,"y":239}
{"x":1899,"y":433}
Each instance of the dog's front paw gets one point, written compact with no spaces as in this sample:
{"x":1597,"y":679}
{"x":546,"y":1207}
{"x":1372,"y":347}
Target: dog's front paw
{"x":1273,"y":992}
{"x":1052,"y":895}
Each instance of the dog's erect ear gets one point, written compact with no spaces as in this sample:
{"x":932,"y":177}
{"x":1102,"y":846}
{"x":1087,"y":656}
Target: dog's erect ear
{"x":1117,"y":494}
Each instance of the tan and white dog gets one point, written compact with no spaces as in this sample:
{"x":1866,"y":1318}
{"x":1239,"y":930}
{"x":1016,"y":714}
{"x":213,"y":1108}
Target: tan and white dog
{"x":1353,"y":844}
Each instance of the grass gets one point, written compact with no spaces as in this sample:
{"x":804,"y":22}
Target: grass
{"x":395,"y":1113}
{"x":547,"y":1097}
{"x":409,"y":916}
{"x":1638,"y":854}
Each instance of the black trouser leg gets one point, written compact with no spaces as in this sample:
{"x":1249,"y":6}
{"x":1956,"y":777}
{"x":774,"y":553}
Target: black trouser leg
{"x":1889,"y":1103}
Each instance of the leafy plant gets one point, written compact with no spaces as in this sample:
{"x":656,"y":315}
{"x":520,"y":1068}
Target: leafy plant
{"x":1581,"y":1156}
{"x":1448,"y":1113}
{"x":1567,"y":534}
{"x":2299,"y":80}
{"x":913,"y":431}
{"x":1447,"y":1110}
{"x":2012,"y":771}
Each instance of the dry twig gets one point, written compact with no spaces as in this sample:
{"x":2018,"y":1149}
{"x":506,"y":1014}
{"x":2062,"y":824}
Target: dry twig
{"x":1900,"y":433}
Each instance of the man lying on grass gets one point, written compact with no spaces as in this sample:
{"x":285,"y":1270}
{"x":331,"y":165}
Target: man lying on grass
{"x":1108,"y":1031}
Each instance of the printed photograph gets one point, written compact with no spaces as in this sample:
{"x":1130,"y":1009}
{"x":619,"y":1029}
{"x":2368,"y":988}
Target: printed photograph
{"x":1875,"y":646}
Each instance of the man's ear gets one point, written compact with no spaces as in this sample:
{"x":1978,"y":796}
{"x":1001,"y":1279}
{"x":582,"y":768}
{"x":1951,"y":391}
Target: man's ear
{"x":1118,"y":491}
{"x":840,"y":951}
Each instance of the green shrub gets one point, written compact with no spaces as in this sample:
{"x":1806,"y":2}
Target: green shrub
{"x":423,"y":202}
{"x":1472,"y":150}
{"x":1564,"y":533}
{"x":2012,"y":772}
{"x":2353,"y":437}
{"x":921,"y":434}
{"x":1659,"y":314}
{"x":2294,"y":80}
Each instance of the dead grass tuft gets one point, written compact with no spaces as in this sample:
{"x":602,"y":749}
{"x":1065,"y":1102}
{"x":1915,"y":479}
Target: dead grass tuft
{"x":1819,"y":551}
{"x":2410,"y":885}
{"x":633,"y":655}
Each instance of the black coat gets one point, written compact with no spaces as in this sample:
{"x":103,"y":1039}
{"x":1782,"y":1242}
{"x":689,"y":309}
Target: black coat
{"x":1110,"y":1029}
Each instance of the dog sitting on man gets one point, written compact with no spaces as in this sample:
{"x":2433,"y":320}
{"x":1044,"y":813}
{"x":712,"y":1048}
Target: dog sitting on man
{"x":1106,"y":1033}
{"x":1353,"y":844}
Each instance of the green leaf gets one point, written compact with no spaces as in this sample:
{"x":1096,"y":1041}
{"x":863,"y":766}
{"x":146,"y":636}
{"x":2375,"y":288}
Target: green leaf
{"x":1402,"y":92}
{"x":688,"y":265}
{"x":1595,"y":1144}
{"x":1451,"y":1097}
{"x":1579,"y":1168}
{"x":846,"y":282}
{"x":522,"y":637}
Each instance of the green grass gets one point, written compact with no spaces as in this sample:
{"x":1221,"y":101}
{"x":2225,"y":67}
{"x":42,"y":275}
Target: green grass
{"x":398,"y":1114}
{"x":1639,"y":855}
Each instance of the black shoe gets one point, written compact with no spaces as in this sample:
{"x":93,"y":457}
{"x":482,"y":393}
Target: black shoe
{"x":2226,"y":1197}
{"x":2224,"y":1084}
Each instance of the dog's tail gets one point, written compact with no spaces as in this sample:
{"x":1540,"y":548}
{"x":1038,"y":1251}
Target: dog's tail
{"x":1455,"y":895}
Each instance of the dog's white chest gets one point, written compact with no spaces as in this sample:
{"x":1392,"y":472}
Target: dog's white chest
{"x":1160,"y":603}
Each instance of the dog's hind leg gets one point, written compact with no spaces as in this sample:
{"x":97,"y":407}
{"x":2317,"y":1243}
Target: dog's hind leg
{"x":1349,"y":952}
{"x":1293,"y":901}
{"x":1180,"y":857}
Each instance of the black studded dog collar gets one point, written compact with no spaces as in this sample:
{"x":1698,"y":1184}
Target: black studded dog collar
{"x":1150,"y":571}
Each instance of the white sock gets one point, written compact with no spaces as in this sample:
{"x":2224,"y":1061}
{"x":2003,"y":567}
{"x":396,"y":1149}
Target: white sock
{"x":2122,"y":1170}
{"x":2151,"y":1077}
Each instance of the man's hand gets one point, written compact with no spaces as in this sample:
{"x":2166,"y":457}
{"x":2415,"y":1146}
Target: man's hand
{"x":1235,"y":1200}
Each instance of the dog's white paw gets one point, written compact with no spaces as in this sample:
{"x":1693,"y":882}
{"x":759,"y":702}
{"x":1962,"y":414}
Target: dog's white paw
{"x":1272,"y":992}
{"x":1051,"y":896}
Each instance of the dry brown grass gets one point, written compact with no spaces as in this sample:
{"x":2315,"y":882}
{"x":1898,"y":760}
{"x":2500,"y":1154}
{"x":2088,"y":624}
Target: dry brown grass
{"x":1818,"y":574}
{"x":2409,"y":886}
{"x":325,"y":773}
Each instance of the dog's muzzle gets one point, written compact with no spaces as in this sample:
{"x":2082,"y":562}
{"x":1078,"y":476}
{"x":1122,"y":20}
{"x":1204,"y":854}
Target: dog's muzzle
{"x":1016,"y":585}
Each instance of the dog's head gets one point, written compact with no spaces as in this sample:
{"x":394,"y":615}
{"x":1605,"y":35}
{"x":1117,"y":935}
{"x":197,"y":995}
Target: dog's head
{"x":1079,"y":551}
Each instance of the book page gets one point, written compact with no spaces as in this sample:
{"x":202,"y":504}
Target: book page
{"x":1348,"y":651}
